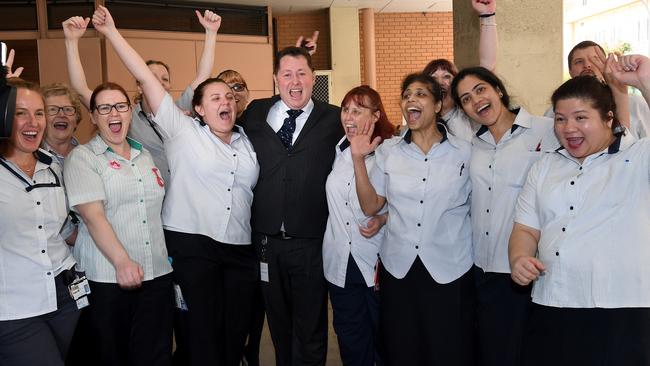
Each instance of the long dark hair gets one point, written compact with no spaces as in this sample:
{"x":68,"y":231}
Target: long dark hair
{"x":482,"y":74}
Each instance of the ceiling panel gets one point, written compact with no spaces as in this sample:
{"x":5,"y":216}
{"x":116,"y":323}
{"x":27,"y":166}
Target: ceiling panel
{"x":386,"y":6}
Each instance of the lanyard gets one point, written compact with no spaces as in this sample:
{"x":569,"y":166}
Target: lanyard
{"x":152,"y":124}
{"x":30,"y":186}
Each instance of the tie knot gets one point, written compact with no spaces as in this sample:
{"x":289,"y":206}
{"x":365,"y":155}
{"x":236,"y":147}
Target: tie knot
{"x":294,"y":113}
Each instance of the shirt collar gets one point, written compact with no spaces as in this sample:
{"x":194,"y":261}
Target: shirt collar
{"x":48,"y":148}
{"x":620,"y":143}
{"x":99,"y":146}
{"x":522,"y":118}
{"x":441,"y":127}
{"x":306,"y":110}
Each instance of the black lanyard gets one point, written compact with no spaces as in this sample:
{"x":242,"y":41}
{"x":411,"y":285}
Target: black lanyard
{"x":152,"y":124}
{"x":30,"y":186}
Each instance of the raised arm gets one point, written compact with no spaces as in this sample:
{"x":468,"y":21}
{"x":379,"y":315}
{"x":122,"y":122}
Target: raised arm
{"x":9,"y":65}
{"x":634,"y":70}
{"x":103,"y":22}
{"x":361,"y":146}
{"x":488,"y":41}
{"x":310,"y":43}
{"x":73,"y":29}
{"x":605,"y":64}
{"x":211,"y":22}
{"x":129,"y":274}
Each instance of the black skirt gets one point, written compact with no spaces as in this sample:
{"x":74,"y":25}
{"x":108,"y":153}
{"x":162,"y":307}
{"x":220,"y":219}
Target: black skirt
{"x":587,"y":336}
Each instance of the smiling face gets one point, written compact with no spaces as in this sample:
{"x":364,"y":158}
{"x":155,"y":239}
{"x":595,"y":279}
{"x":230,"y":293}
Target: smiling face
{"x":29,"y":121}
{"x":113,"y":126}
{"x":580,"y":127}
{"x":355,"y":116}
{"x":60,"y":126}
{"x":419,"y":106}
{"x":444,"y":78}
{"x":218,"y":109}
{"x":295,"y":80}
{"x":581,"y":63}
{"x":480,"y":100}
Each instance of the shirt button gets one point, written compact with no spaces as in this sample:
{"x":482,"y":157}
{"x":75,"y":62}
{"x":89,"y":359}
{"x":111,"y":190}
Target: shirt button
{"x":557,"y":254}
{"x":228,"y":208}
{"x":38,"y":203}
{"x":144,"y":221}
{"x":40,"y":226}
{"x":348,"y":184}
{"x":49,"y":273}
{"x":580,"y":168}
{"x":487,"y":233}
{"x":43,"y":251}
{"x":489,"y":188}
{"x":417,"y":247}
{"x":232,"y":172}
{"x":426,"y":159}
{"x":421,"y":201}
{"x":141,"y":200}
{"x":488,"y":210}
{"x":139,"y":180}
{"x":146,"y":243}
{"x":419,"y":224}
{"x":490,"y":166}
{"x":563,"y":229}
{"x":571,"y":208}
{"x":228,"y":189}
{"x":347,"y":223}
{"x":424,"y":179}
{"x":572,"y":182}
{"x":132,"y":164}
{"x":346,"y":203}
{"x":234,"y":154}
{"x":350,"y":243}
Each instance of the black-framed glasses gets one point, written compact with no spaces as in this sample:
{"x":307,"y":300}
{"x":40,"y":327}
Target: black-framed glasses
{"x":106,"y":108}
{"x":238,"y":87}
{"x":53,"y":110}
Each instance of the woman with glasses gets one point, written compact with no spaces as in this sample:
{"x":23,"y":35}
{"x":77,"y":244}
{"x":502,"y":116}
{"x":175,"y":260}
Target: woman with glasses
{"x":63,"y":114}
{"x":239,"y":88}
{"x":37,"y":313}
{"x":144,"y":129}
{"x":206,"y":213}
{"x":114,"y":185}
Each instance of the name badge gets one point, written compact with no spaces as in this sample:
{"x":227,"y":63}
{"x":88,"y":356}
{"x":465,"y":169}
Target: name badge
{"x":178,"y":296}
{"x":264,"y":272}
{"x":79,"y":290}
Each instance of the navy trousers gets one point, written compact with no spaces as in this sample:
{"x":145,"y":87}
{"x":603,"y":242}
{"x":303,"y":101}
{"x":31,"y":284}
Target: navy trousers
{"x":356,"y":318}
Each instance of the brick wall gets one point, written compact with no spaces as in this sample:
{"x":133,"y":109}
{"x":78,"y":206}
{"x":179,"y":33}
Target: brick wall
{"x":405,"y":43}
{"x":290,"y":27}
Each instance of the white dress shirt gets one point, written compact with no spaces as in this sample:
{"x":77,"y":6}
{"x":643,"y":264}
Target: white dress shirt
{"x":211,"y":190}
{"x":278,"y":113}
{"x":498,"y":171}
{"x":594,"y":220}
{"x":132,"y":192}
{"x":428,"y":206}
{"x":145,"y":130}
{"x":639,"y":116}
{"x":342,"y":236}
{"x":460,"y":124}
{"x":32,"y":251}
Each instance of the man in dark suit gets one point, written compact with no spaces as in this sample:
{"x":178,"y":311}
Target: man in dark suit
{"x":294,"y":137}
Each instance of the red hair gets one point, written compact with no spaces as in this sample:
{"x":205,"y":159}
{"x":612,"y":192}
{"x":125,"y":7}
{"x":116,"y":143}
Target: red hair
{"x":368,"y":97}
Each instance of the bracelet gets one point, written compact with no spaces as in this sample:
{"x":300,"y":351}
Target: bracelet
{"x":489,"y":22}
{"x":486,"y":15}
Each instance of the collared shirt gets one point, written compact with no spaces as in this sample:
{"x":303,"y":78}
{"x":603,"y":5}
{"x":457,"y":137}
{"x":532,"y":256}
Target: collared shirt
{"x":59,"y":158}
{"x":595,"y":226}
{"x":212,"y":183}
{"x":428,"y":206}
{"x":639,"y":116}
{"x":145,"y":130}
{"x":342,"y":236}
{"x":278,"y":113}
{"x":32,"y":251}
{"x":460,"y":124}
{"x":132,"y":193}
{"x":498,"y":171}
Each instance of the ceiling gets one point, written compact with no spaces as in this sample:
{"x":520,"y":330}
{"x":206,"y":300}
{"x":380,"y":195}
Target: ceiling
{"x":380,"y":6}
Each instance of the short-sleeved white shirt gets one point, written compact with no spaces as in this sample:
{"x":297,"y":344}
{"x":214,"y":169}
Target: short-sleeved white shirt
{"x":498,"y":171}
{"x":594,"y":220}
{"x":132,"y":192}
{"x":32,"y":251}
{"x":342,"y":236}
{"x":211,"y":190}
{"x":145,"y":130}
{"x":428,"y":206}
